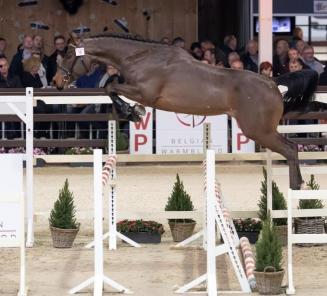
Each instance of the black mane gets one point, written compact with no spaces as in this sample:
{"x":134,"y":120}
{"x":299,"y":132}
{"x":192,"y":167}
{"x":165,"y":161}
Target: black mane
{"x":127,"y":37}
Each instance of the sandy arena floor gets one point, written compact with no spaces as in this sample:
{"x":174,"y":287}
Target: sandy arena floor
{"x":153,"y":269}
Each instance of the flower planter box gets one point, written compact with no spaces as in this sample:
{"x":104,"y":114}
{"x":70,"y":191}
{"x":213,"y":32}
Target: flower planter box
{"x":144,"y":237}
{"x":251,"y":235}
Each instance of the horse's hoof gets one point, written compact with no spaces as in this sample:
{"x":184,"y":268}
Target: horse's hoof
{"x":134,"y":117}
{"x":139,"y":110}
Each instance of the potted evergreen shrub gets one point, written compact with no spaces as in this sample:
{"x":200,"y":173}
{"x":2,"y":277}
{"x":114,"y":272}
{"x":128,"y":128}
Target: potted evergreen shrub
{"x":140,"y":231}
{"x":121,"y":140}
{"x":278,"y":203}
{"x":312,"y":225}
{"x":179,"y":200}
{"x":269,"y":273}
{"x":63,"y":224}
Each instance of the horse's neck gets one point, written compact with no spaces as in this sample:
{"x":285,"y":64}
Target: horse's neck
{"x":116,"y":51}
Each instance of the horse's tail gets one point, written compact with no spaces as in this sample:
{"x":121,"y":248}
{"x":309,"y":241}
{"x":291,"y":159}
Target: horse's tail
{"x":301,"y":87}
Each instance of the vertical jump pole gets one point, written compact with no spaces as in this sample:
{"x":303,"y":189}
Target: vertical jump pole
{"x":211,"y":239}
{"x":98,"y":226}
{"x":29,"y":167}
{"x":206,"y":146}
{"x":112,"y":193}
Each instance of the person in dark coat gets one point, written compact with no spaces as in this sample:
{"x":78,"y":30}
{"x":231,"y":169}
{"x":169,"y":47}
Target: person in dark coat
{"x":250,"y":58}
{"x":16,"y":65}
{"x":60,"y":49}
{"x":8,"y":81}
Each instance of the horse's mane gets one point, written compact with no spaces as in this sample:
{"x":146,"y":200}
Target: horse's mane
{"x":127,"y":37}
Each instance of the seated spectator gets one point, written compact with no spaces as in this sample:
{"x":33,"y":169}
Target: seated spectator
{"x":178,"y":42}
{"x":196,"y":51}
{"x":60,"y":49}
{"x":38,"y":51}
{"x":209,"y":56}
{"x":297,"y":35}
{"x":250,"y":58}
{"x":295,"y":65}
{"x":280,"y":59}
{"x":206,"y":44}
{"x":237,"y":65}
{"x":8,"y":81}
{"x":299,"y":45}
{"x":30,"y":76}
{"x":91,"y":79}
{"x":233,"y":56}
{"x":266,"y":69}
{"x":230,"y":44}
{"x":310,"y":61}
{"x":3,"y":46}
{"x":16,"y":65}
{"x":293,"y":54}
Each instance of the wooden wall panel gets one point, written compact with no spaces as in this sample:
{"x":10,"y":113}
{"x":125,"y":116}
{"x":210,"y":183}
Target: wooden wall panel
{"x":169,"y":18}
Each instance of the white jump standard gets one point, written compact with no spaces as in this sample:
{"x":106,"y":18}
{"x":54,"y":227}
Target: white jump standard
{"x":109,"y":175}
{"x":215,"y":216}
{"x":99,"y":277}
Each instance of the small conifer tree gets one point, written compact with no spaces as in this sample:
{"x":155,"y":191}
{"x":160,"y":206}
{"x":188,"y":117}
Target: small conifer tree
{"x":268,"y":248}
{"x":311,"y":203}
{"x":179,"y":200}
{"x":278,"y":200}
{"x":63,"y":213}
{"x":121,"y":139}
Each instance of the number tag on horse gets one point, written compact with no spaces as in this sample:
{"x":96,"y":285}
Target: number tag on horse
{"x":79,"y":51}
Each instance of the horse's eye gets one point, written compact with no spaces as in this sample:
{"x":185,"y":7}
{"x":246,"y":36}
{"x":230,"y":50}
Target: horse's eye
{"x":66,"y":77}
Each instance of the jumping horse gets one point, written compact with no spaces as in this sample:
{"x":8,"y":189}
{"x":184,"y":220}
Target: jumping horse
{"x":170,"y":79}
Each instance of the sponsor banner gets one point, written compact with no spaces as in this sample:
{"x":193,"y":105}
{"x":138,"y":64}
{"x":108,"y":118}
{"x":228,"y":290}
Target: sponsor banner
{"x":11,"y":200}
{"x":178,"y":133}
{"x":240,"y":143}
{"x":141,"y":134}
{"x":10,"y":222}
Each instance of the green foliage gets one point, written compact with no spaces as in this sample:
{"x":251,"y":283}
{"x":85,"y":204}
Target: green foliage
{"x":140,"y":226}
{"x":268,"y":248}
{"x":179,"y":200}
{"x":311,"y":203}
{"x":63,"y":213}
{"x":278,"y":200}
{"x":121,"y":140}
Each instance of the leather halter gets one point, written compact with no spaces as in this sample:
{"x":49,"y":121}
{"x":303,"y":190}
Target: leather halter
{"x":68,"y":72}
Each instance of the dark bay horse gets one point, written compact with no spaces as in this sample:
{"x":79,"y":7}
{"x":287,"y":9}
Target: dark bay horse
{"x":170,"y":79}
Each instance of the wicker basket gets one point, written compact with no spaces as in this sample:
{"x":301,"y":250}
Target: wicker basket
{"x":63,"y":238}
{"x":269,"y":283}
{"x":314,"y":225}
{"x":282,"y":234}
{"x":181,"y":230}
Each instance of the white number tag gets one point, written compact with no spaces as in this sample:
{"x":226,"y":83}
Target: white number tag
{"x":79,"y":51}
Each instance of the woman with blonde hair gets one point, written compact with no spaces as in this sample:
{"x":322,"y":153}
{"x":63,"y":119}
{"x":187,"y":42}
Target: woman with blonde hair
{"x":30,"y":76}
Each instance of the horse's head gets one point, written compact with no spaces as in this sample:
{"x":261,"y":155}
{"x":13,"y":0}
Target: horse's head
{"x":75,"y":64}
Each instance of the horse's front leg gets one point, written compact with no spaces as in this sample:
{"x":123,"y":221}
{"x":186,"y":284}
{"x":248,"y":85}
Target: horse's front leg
{"x":129,"y":91}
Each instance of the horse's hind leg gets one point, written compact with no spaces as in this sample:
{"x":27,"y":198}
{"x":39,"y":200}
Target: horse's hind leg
{"x":275,"y":142}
